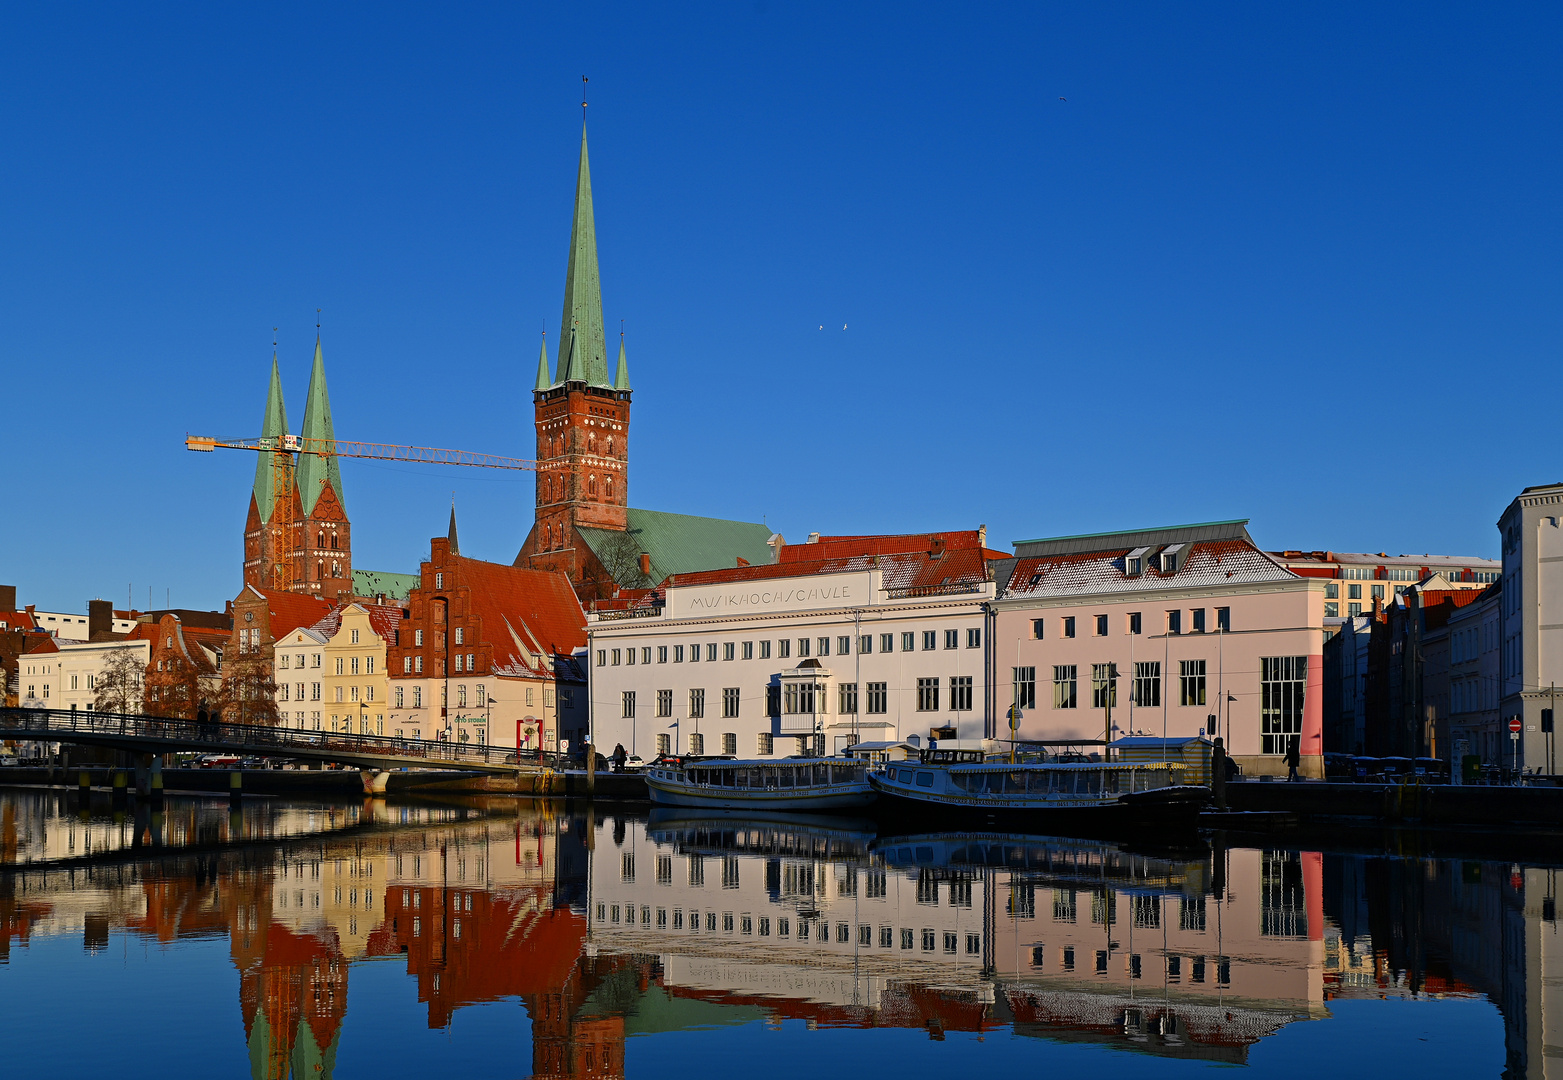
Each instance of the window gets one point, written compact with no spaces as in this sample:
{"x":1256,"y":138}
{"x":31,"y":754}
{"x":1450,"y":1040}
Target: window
{"x":662,"y":654}
{"x":694,"y":654}
{"x":1331,"y":609}
{"x":927,"y":695}
{"x":1036,"y":629}
{"x":1281,"y":683}
{"x":960,"y":693}
{"x":906,"y":641}
{"x":1378,"y":592}
{"x":629,"y":656}
{"x":748,"y":650}
{"x":664,"y":744}
{"x":1199,"y":620}
{"x":1147,"y":683}
{"x":878,"y":698}
{"x":711,"y":651}
{"x":1101,"y":626}
{"x":1069,"y":626}
{"x":1191,"y":682}
{"x":1224,"y":619}
{"x":887,"y":643}
{"x":824,"y":646}
{"x":952,"y":639}
{"x":974,"y":638}
{"x":664,"y":703}
{"x":730,"y":699}
{"x":773,"y":700}
{"x":417,"y":697}
{"x":1354,"y":592}
{"x":1104,"y":686}
{"x":844,"y":646}
{"x":766,"y":744}
{"x":1063,"y":686}
{"x":798,"y":698}
{"x":729,"y":650}
{"x":629,"y":704}
{"x":848,"y":695}
{"x":865,"y":643}
{"x":460,"y":636}
{"x":678,"y":654}
{"x":617,"y":654}
{"x":784,"y":648}
{"x":1332,"y":591}
{"x":930,"y":639}
{"x":697,"y":704}
{"x":314,"y":691}
{"x":803,"y":647}
{"x":765,"y":650}
{"x":1353,"y":609}
{"x":1025,"y":679}
{"x":697,"y":743}
{"x":339,"y":662}
{"x":461,"y":697}
{"x":439,"y":581}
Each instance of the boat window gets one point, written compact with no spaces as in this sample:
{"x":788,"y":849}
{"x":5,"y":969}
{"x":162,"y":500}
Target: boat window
{"x":925,"y":779}
{"x":785,"y":776}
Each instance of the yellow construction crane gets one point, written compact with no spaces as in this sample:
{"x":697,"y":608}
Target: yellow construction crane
{"x":281,"y":451}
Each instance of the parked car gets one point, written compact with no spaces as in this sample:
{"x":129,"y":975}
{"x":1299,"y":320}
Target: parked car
{"x":8,"y":761}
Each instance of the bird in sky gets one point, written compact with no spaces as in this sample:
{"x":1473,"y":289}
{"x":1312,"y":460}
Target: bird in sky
{"x":822,"y":326}
{"x":1063,"y":99}
{"x":843,"y":326}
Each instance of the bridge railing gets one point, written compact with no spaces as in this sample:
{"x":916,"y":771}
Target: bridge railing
{"x":46,"y":724}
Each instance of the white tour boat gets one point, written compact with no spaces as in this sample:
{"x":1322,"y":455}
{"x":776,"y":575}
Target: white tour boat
{"x":965,"y":782}
{"x":766,"y":784}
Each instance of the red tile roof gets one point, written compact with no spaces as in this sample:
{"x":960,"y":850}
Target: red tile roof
{"x":906,"y":562}
{"x":17,"y":620}
{"x":384,"y":619}
{"x":289,"y":610}
{"x":520,"y":608}
{"x":1212,"y":562}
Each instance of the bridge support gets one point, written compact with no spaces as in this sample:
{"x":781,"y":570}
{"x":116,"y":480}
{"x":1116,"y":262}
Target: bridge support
{"x":235,"y":788}
{"x":83,"y":788}
{"x":155,"y":797}
{"x":374,"y":780}
{"x":591,"y":771}
{"x":121,"y":787}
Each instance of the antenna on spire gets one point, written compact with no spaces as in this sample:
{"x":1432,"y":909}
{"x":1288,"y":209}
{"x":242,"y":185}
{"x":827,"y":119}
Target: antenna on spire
{"x":273,"y":339}
{"x":317,"y":318}
{"x":583,"y":99}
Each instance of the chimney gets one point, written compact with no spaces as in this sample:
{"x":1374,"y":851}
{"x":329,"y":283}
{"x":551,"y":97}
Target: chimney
{"x":742,"y":561}
{"x":100,"y":618}
{"x":645,"y":567}
{"x":936,"y":547}
{"x":7,"y":597}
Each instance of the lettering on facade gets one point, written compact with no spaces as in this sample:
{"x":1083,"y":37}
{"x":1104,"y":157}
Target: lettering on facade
{"x":837,"y":590}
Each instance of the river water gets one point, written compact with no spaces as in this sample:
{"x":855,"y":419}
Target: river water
{"x":505,"y":938}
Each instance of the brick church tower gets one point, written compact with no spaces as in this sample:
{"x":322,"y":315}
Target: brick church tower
{"x":301,"y":500}
{"x":582,"y":415}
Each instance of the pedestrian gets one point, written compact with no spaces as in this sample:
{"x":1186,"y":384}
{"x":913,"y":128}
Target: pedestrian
{"x":619,"y":757}
{"x":1293,"y":757}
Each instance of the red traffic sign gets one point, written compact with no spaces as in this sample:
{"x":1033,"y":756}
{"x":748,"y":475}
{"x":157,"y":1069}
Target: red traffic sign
{"x":1514,"y":725}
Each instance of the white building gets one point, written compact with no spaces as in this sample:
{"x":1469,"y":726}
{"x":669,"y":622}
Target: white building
{"x":843,"y":640}
{"x":298,"y":671}
{"x":77,"y":665}
{"x":1531,"y":619}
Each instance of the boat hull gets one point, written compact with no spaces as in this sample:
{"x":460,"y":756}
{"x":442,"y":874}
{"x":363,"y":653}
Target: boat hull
{"x":804,"y":800}
{"x":1161,"y":808}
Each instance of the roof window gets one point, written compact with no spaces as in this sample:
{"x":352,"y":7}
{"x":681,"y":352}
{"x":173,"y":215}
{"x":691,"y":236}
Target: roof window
{"x":1172,"y":557}
{"x":1134,"y":562}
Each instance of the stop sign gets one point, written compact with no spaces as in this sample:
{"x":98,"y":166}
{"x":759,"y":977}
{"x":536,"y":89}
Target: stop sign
{"x":1514,"y":725}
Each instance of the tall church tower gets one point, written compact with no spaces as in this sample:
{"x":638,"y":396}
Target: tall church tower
{"x":301,"y":501}
{"x":582,"y":414}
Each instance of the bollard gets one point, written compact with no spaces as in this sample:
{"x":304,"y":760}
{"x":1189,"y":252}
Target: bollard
{"x":235,"y":788}
{"x":121,"y":787}
{"x":591,"y":768}
{"x":1218,"y":774}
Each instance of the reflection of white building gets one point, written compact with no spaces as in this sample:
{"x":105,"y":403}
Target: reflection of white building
{"x":844,"y":639}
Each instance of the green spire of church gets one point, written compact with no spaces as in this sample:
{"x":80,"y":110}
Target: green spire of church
{"x":274,"y":425}
{"x":582,"y":347}
{"x":313,"y":468}
{"x":544,"y":380}
{"x":621,"y":378}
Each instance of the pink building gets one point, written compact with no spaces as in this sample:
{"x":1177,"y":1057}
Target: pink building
{"x":1172,"y":632}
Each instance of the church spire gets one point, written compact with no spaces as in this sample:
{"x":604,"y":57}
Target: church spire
{"x":621,"y":377}
{"x":455,"y":549}
{"x":544,"y":380}
{"x":274,"y":425}
{"x":582,"y":348}
{"x":313,"y":468}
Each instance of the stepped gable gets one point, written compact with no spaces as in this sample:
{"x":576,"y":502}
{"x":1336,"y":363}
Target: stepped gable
{"x":908,"y":562}
{"x":1215,"y":553}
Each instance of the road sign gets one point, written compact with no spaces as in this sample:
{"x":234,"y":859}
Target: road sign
{"x":1514,"y":725}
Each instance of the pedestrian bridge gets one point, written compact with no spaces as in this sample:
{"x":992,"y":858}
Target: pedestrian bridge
{"x":139,"y":734}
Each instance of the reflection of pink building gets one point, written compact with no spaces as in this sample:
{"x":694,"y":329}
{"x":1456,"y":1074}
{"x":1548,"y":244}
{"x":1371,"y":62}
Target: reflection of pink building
{"x":1179,"y":631}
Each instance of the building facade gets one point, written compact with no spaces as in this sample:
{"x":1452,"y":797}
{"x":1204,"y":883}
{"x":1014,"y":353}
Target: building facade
{"x":299,"y":675}
{"x":1531,"y":620}
{"x":1358,"y":579}
{"x":845,"y":640}
{"x":358,"y":637}
{"x":1474,"y":669}
{"x":1206,"y":634}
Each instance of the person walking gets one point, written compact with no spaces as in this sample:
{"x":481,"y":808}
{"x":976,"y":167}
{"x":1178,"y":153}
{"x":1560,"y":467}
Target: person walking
{"x":1293,"y":757}
{"x":618,"y":757}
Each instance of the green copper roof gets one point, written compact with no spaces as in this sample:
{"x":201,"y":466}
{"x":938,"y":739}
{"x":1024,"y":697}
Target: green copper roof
{"x":370,"y":583}
{"x":274,"y":425}
{"x":677,"y":544}
{"x":582,"y":347}
{"x":544,"y":379}
{"x":621,"y":377}
{"x":313,"y":468}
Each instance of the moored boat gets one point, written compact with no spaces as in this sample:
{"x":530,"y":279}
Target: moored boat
{"x":962,"y":783}
{"x":790,"y":784}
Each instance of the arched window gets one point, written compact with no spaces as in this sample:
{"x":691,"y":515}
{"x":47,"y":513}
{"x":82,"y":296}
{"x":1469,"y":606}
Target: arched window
{"x":336,"y":568}
{"x":320,"y":570}
{"x":591,"y":486}
{"x":610,"y":445}
{"x":333,"y":541}
{"x":608,"y":486}
{"x":591,"y":444}
{"x":320,"y":541}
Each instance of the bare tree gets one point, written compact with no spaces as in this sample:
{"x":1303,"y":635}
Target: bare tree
{"x":249,"y":693}
{"x":620,"y":557}
{"x":118,"y":684}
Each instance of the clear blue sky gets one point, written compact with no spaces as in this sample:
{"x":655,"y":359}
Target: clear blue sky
{"x":1296,"y":264}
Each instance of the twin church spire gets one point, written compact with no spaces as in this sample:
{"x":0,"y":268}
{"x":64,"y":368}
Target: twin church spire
{"x":315,"y":472}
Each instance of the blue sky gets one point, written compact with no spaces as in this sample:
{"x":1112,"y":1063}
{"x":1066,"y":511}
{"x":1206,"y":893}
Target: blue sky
{"x":1294,"y":264}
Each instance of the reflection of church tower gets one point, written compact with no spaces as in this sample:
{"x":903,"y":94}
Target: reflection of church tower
{"x":574,"y":1040}
{"x":582,"y":413}
{"x":305,"y":500}
{"x":293,"y":1000}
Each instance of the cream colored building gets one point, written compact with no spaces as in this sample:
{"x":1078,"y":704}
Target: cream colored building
{"x":298,"y":670}
{"x":355,"y":681}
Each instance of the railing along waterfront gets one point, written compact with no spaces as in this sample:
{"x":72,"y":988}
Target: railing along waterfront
{"x":62,"y":725}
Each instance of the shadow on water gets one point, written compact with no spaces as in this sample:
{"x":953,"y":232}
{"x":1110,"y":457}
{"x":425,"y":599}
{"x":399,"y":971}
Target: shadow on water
{"x":606,"y":923}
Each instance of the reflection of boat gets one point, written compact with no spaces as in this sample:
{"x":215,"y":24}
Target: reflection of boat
{"x":1049,"y":859}
{"x":761,"y":833}
{"x":796,"y":784}
{"x":1037,"y":793}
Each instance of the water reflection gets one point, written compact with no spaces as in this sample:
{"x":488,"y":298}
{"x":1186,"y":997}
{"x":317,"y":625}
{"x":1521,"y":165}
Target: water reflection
{"x":606,"y":926}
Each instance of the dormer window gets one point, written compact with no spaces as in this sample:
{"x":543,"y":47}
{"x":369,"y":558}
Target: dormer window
{"x":1134,"y":562}
{"x":1172,"y":557}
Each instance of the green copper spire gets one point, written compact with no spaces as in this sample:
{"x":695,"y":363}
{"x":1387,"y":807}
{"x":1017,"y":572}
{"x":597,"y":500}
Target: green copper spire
{"x":621,"y":378}
{"x":582,"y":348}
{"x":544,"y":380}
{"x":313,"y":468}
{"x":274,"y":425}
